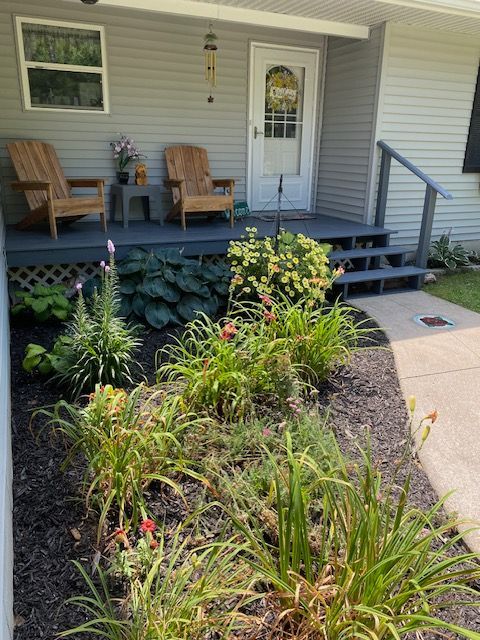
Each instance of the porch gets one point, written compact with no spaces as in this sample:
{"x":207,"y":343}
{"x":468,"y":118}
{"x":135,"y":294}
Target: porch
{"x":86,"y":242}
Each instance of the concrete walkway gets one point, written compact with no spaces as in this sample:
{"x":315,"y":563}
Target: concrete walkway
{"x":441,"y":368}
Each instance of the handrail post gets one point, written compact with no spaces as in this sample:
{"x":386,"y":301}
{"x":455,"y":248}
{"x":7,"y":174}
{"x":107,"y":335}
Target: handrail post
{"x":426,"y":227}
{"x":382,"y":193}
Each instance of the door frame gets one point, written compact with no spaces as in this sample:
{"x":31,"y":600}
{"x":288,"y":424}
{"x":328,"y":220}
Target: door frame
{"x":251,"y":85}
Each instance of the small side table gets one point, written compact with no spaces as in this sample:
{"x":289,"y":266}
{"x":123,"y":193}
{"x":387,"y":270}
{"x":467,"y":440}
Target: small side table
{"x":126,"y":192}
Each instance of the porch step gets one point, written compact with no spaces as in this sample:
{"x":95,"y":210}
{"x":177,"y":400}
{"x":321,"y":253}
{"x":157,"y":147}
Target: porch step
{"x":370,"y":252}
{"x":414,"y":276}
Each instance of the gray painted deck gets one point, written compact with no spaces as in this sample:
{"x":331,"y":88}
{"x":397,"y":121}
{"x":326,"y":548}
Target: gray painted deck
{"x":85,"y":242}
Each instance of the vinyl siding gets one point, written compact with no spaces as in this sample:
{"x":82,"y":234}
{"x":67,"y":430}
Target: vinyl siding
{"x":428,"y":87}
{"x":157,"y":93}
{"x":348,"y":122}
{"x":6,"y":550}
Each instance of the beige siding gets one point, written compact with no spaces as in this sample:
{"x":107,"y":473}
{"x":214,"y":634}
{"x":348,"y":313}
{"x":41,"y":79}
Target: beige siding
{"x":348,"y":121}
{"x":428,"y":87}
{"x":6,"y":551}
{"x":157,"y":92}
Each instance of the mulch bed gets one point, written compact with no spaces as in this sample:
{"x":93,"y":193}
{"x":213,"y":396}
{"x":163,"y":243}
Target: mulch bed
{"x":48,"y":514}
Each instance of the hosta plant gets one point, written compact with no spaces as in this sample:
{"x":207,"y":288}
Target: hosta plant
{"x":226,"y":367}
{"x":128,"y":441}
{"x":44,"y":302}
{"x":372,"y":566}
{"x":164,"y":287}
{"x":445,"y":254}
{"x":291,"y":263}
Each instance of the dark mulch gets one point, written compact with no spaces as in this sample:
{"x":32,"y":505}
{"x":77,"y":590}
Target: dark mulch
{"x":362,"y":397}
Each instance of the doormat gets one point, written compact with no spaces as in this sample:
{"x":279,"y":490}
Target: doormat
{"x":434,"y":322}
{"x":269,"y":216}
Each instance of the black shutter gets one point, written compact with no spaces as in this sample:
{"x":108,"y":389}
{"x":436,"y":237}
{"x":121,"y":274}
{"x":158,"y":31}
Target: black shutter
{"x":471,"y":164}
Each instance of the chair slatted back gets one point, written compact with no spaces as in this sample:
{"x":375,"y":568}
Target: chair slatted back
{"x":190,"y":164}
{"x":34,"y":160}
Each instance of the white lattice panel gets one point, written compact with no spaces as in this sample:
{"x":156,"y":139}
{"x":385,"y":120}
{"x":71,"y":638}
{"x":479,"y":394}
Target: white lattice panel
{"x":67,"y":274}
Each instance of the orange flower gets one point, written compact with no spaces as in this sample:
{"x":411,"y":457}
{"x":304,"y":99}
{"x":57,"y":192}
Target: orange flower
{"x":269,"y":316}
{"x":228,"y":331}
{"x":433,"y":415}
{"x":265,"y":299}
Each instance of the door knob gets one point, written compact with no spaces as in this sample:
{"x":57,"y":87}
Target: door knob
{"x":256,"y":132}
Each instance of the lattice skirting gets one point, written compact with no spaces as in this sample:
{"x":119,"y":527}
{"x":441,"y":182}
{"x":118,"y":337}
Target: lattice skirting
{"x":68,"y":274}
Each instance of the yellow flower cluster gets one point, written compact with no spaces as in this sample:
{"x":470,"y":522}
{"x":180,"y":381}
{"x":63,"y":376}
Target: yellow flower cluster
{"x":293,"y":264}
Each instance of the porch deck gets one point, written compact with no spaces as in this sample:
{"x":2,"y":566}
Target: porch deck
{"x":85,"y":242}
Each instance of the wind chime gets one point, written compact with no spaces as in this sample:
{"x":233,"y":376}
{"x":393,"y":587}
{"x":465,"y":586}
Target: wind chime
{"x":210,"y":53}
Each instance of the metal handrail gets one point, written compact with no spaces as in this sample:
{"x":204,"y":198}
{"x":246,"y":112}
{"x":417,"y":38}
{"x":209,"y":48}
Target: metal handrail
{"x":414,"y":169}
{"x":431,"y":190}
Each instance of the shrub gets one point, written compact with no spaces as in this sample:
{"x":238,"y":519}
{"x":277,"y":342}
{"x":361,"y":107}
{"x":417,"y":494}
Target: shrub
{"x":174,"y":592}
{"x":163,"y":287}
{"x":100,"y":345}
{"x":318,"y":338}
{"x":44,"y":302}
{"x":445,"y":254}
{"x":292,"y":263}
{"x":372,"y":568}
{"x":227,"y":366}
{"x":128,"y":440}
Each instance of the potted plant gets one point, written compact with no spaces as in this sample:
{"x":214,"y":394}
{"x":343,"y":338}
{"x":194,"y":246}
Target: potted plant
{"x":125,"y":150}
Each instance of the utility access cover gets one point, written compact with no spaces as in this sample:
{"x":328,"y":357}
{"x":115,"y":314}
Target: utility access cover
{"x":431,"y":321}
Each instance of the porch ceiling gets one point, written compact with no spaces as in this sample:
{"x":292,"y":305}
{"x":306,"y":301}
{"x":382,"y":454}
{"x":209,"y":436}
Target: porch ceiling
{"x":350,"y":18}
{"x":452,"y":15}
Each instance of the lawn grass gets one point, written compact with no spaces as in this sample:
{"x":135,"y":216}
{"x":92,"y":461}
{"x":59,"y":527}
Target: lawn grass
{"x":462,"y":287}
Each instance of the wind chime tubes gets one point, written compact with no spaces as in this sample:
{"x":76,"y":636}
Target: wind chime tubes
{"x":210,"y":53}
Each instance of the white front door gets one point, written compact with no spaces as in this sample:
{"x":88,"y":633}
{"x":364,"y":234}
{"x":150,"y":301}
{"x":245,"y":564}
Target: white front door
{"x":283,"y":97}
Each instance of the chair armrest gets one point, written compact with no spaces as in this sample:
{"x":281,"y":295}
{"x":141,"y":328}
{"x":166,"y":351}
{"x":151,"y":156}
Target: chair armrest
{"x":31,"y":185}
{"x":173,"y":182}
{"x":223,"y":182}
{"x":85,"y":182}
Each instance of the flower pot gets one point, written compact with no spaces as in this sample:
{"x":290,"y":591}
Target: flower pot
{"x":122,"y":177}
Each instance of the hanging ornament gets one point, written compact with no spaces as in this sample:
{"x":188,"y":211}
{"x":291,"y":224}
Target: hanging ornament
{"x":210,"y":53}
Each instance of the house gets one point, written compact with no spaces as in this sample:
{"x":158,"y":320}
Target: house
{"x":352,"y":73}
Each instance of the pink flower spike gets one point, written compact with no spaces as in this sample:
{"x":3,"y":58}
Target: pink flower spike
{"x":102,"y":264}
{"x":266,"y":432}
{"x":107,"y":269}
{"x":110,"y":247}
{"x":78,"y":286}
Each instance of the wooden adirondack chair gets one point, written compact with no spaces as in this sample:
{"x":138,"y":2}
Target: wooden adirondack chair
{"x":192,"y":185}
{"x":47,"y":190}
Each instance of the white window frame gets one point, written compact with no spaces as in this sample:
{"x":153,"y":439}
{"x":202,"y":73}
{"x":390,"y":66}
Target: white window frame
{"x":24,"y":65}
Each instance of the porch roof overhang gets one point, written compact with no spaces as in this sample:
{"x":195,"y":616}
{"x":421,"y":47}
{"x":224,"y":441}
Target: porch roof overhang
{"x":350,"y":18}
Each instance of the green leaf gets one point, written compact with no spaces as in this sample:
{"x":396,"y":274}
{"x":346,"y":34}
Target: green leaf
{"x":34,"y":350}
{"x":61,"y":301}
{"x":29,"y":363}
{"x":221,"y":288}
{"x":128,"y":286}
{"x":61,"y":314}
{"x":125,"y":307}
{"x":137,"y":254}
{"x":191,"y":284}
{"x":139,"y":303}
{"x":128,"y":267}
{"x":188,"y":307}
{"x":157,"y":314}
{"x":170,"y":256}
{"x":158,"y":288}
{"x":45,"y":367}
{"x":17,"y":308}
{"x":39,"y":305}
